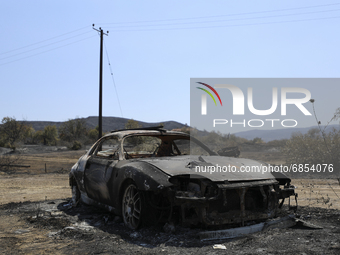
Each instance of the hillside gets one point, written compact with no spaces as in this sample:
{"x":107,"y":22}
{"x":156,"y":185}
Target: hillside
{"x":109,"y":123}
{"x":114,"y":123}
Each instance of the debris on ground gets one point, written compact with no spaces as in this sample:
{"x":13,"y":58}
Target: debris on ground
{"x":50,"y":227}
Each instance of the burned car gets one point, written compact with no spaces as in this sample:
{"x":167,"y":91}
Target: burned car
{"x":151,"y":174}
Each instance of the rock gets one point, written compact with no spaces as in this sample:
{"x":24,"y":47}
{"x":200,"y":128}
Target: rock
{"x":21,"y":231}
{"x":219,"y":247}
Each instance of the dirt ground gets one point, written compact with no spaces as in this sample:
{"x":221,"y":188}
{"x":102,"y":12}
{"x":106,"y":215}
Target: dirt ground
{"x":37,"y":218}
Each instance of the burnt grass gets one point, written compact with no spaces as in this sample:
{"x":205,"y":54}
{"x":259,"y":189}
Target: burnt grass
{"x":89,"y":230}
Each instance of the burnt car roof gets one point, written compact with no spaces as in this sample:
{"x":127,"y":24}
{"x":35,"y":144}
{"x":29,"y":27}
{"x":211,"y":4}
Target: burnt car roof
{"x":160,"y":128}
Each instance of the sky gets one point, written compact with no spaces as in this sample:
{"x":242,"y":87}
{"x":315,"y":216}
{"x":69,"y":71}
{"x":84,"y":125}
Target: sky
{"x":49,"y":53}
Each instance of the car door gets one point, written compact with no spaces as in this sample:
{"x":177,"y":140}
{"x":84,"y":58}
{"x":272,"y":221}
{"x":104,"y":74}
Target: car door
{"x":98,"y":170}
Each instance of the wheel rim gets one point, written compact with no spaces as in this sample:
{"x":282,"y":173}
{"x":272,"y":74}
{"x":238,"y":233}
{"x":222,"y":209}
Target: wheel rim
{"x":132,"y":207}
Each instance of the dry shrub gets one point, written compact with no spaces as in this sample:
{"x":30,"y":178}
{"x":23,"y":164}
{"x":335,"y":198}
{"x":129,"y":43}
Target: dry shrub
{"x":314,"y":148}
{"x":9,"y":162}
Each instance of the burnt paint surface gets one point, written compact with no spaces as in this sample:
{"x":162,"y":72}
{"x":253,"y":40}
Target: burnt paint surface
{"x":98,"y":174}
{"x":104,"y":180}
{"x":179,"y":165}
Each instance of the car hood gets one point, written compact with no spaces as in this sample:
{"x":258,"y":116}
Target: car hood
{"x":215,"y":168}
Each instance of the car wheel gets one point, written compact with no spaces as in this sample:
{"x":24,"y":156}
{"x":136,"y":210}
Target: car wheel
{"x":132,"y":206}
{"x":75,"y":195}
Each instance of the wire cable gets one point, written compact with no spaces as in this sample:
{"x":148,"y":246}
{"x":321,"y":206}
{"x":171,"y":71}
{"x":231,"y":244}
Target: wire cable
{"x":227,"y":15}
{"x":47,"y":50}
{"x":44,"y":46}
{"x":114,"y":84}
{"x":44,"y":40}
{"x":138,"y":27}
{"x":124,"y":27}
{"x":220,"y":26}
{"x":238,"y":19}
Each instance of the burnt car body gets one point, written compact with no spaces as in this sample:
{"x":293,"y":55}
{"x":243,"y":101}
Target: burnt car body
{"x":150,"y":173}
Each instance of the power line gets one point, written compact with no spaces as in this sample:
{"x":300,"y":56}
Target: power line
{"x":140,"y":27}
{"x":114,"y":84}
{"x":44,"y":40}
{"x":220,"y":26}
{"x":144,"y":27}
{"x":47,"y":50}
{"x":238,"y":19}
{"x":227,"y":15}
{"x":44,"y":46}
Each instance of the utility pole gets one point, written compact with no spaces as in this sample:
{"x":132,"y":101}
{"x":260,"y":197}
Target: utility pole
{"x":100,"y":117}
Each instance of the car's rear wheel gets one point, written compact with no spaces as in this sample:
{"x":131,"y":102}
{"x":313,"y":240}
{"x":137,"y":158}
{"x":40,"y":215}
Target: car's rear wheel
{"x":132,"y":206}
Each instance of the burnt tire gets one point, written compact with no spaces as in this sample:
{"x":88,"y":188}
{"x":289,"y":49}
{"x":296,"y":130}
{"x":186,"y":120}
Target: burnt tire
{"x":133,"y":207}
{"x":75,"y":195}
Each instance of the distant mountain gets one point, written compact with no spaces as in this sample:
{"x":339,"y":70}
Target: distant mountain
{"x":109,"y":123}
{"x":278,"y":134}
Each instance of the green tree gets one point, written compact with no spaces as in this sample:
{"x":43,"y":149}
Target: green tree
{"x":257,"y":140}
{"x":50,"y":135}
{"x":11,"y":132}
{"x":93,"y":134}
{"x":38,"y":137}
{"x":73,"y":130}
{"x":29,"y":135}
{"x":132,"y":124}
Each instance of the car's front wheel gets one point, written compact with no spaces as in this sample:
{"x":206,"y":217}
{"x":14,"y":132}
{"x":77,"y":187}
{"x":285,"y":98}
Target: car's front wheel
{"x":75,"y":195}
{"x":132,"y":206}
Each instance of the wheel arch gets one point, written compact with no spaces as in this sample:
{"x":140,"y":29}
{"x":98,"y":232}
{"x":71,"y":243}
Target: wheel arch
{"x":146,"y":176}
